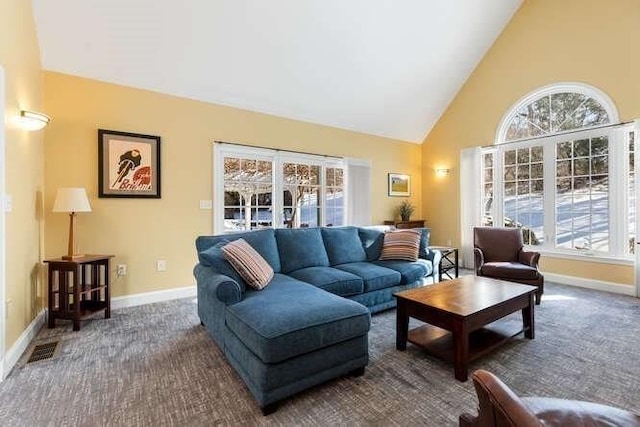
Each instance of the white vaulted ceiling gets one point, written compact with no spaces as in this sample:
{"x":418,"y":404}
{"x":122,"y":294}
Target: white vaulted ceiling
{"x":382,"y":67}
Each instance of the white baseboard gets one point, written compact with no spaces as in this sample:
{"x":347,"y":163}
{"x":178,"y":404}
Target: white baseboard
{"x":16,"y":350}
{"x":599,"y":285}
{"x":151,"y":297}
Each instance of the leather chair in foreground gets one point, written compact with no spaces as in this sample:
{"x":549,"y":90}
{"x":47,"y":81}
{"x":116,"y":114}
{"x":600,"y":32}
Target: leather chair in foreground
{"x":500,"y":407}
{"x":499,"y":253}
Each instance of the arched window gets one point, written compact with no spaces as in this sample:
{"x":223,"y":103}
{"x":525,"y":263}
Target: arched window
{"x":556,"y":109}
{"x":561,"y":171}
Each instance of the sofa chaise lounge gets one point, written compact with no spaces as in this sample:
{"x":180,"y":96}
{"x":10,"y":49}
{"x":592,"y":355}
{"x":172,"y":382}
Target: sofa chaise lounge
{"x":310,"y":323}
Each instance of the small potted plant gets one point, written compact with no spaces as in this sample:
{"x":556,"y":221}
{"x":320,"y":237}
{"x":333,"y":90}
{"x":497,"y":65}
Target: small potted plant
{"x":405,"y":210}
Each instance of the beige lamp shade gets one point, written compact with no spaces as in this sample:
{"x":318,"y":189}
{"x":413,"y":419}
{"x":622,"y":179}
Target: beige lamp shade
{"x":71,"y":200}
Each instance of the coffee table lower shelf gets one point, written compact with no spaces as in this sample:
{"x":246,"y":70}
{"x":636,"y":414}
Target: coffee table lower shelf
{"x":439,"y":342}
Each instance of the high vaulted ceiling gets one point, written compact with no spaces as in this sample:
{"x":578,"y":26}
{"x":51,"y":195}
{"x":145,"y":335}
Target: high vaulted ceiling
{"x":382,"y":67}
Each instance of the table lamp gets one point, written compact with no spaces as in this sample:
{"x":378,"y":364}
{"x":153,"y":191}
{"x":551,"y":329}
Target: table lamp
{"x":71,"y":200}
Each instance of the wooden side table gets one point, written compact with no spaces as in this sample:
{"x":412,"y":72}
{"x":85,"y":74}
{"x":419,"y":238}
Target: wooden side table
{"x":416,"y":223}
{"x":78,"y":288}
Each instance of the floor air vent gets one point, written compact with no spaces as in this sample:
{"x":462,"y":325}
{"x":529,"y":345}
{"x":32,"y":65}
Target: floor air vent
{"x":43,"y":351}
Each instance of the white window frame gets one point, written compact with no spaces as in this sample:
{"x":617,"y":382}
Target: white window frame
{"x":277,"y":158}
{"x":618,"y":171}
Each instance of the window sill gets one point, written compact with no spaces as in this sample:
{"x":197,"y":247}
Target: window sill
{"x":585,"y":257}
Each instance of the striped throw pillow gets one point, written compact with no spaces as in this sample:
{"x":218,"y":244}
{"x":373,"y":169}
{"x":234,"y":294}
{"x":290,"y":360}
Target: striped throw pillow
{"x":249,"y":264}
{"x":401,"y":245}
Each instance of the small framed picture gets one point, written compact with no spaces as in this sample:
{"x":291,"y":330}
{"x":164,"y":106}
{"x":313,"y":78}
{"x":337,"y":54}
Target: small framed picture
{"x":128,"y":165}
{"x":399,"y":185}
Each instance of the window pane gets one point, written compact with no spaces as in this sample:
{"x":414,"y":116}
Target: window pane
{"x":564,"y":150}
{"x":510,"y":173}
{"x":523,"y":171}
{"x":599,"y":146}
{"x":488,"y":175}
{"x":536,"y":154}
{"x":488,"y":160}
{"x":314,"y":175}
{"x":510,"y":157}
{"x":581,"y":166}
{"x":523,"y":155}
{"x":599,"y":165}
{"x":339,"y":177}
{"x":523,"y":187}
{"x":537,"y":186}
{"x":564,"y":168}
{"x":581,"y":148}
{"x":331,"y":177}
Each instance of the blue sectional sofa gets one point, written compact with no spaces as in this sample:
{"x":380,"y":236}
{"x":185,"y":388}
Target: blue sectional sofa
{"x":310,"y":324}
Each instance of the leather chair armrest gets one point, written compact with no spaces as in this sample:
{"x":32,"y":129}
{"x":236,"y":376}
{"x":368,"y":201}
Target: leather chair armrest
{"x":498,"y":405}
{"x":529,"y":258}
{"x":479,"y":260}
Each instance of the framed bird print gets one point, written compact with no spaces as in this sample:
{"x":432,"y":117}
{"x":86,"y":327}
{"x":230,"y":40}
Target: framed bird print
{"x":128,"y":165}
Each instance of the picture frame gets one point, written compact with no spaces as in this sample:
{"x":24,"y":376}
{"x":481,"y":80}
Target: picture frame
{"x":128,"y":165}
{"x":399,"y":185}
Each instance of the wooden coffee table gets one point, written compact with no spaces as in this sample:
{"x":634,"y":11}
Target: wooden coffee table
{"x":460,"y":309}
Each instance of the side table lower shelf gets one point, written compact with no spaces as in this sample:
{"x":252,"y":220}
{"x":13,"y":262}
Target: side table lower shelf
{"x":78,"y":288}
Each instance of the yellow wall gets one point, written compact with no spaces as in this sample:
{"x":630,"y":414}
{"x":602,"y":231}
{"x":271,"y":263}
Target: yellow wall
{"x":140,"y":231}
{"x":20,"y":57}
{"x":547,"y":41}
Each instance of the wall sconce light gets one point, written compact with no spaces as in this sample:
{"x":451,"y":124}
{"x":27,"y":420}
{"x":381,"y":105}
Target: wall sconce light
{"x":441,"y":172}
{"x":32,"y":120}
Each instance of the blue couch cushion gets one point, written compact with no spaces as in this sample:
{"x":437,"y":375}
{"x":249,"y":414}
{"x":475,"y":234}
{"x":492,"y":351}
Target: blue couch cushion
{"x":372,"y":242}
{"x":409,"y":271}
{"x":343,"y":245}
{"x":300,"y":248}
{"x":289,"y":318}
{"x":375,"y":277}
{"x":213,"y":257}
{"x":331,"y":280}
{"x":424,"y":242}
{"x":263,"y":241}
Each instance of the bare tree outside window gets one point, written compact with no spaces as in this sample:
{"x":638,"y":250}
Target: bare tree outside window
{"x":558,"y":112}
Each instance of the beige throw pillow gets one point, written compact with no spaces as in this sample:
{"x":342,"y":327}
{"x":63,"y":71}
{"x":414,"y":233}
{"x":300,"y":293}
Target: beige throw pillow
{"x":249,"y":264}
{"x":401,"y":245}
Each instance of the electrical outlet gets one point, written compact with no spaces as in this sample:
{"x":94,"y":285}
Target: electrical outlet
{"x":161,"y":265}
{"x":122,"y":270}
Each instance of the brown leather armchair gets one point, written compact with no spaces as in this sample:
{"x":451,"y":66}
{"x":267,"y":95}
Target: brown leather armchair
{"x":499,"y":254}
{"x":498,"y":406}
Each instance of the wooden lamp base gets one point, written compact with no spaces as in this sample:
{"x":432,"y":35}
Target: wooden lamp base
{"x":70,"y":256}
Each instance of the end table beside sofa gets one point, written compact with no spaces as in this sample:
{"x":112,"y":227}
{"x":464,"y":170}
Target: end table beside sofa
{"x":311,"y":323}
